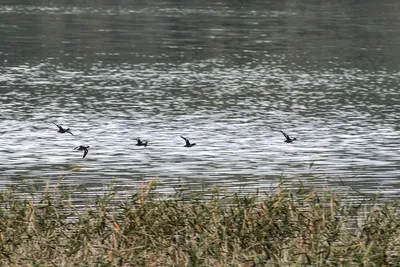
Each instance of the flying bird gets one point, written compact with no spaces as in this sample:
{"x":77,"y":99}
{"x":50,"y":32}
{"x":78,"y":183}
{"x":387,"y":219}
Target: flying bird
{"x":62,"y":130}
{"x":188,"y":144}
{"x":140,"y":142}
{"x":288,"y":139}
{"x":84,"y":148}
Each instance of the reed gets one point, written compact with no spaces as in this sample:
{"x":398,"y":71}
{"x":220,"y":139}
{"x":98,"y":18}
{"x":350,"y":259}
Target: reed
{"x":279,"y":228}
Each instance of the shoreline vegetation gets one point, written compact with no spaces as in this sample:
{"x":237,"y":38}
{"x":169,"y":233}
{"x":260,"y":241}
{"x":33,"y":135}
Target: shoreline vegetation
{"x":284,"y":227}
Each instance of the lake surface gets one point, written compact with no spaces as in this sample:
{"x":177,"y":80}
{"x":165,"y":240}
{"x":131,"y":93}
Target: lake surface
{"x":229,"y":76}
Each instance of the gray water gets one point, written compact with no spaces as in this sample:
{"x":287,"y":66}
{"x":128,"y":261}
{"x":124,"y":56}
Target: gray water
{"x":229,"y":76}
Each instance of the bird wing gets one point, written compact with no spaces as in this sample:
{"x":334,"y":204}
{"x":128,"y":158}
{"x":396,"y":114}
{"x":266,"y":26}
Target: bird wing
{"x":85,"y":153}
{"x":59,"y":127}
{"x":68,"y":131}
{"x":186,"y":140}
{"x":286,"y":136}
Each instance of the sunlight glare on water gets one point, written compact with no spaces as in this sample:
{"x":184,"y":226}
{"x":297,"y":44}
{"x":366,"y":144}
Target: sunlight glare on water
{"x":227,"y":77}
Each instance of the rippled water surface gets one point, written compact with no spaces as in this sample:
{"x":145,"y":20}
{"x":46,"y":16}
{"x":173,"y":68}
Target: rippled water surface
{"x":227,"y":76}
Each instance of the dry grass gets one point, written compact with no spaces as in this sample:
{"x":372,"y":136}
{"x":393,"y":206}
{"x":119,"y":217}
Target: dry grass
{"x":280,"y":229}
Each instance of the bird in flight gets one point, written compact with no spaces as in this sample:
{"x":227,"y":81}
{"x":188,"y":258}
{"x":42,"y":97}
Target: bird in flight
{"x":84,"y":148}
{"x":140,"y":142}
{"x":62,"y":130}
{"x":288,"y":139}
{"x":188,"y":144}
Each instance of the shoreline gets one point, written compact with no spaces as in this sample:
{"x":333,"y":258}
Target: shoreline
{"x":284,"y":227}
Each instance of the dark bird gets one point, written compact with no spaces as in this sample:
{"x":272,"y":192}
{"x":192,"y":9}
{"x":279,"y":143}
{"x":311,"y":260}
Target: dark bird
{"x":141,"y":143}
{"x":62,"y":130}
{"x":288,"y":139}
{"x":188,"y":144}
{"x":84,"y":148}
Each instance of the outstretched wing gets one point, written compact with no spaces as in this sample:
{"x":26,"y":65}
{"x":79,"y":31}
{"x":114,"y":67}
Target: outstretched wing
{"x":69,"y":131}
{"x":286,"y":136}
{"x":85,"y":153}
{"x":186,"y":140}
{"x":59,"y":127}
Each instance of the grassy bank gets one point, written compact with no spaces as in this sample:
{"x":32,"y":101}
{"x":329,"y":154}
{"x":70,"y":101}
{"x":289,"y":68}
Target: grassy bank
{"x":282,"y":228}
